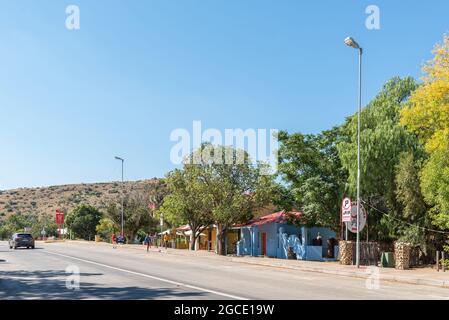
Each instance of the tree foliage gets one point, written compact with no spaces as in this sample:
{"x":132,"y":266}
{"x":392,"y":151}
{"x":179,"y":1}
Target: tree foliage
{"x":311,"y":168}
{"x":383,"y":140}
{"x":427,"y":116}
{"x":235,"y":186}
{"x":188,"y":201}
{"x":105,"y":228}
{"x":414,"y":210}
{"x":136,"y":214}
{"x":156,"y":193}
{"x":218,"y":184}
{"x":82,"y":221}
{"x":435,"y":186}
{"x":32,"y":222}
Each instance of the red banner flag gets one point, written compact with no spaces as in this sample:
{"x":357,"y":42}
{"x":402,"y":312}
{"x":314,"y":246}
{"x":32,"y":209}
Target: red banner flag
{"x":59,"y":217}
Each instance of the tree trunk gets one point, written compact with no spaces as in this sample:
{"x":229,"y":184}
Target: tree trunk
{"x":192,"y":241}
{"x":193,"y":237}
{"x":221,"y":240}
{"x":131,"y":238}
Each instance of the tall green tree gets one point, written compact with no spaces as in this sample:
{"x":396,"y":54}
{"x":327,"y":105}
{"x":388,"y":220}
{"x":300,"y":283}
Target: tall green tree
{"x":409,"y":196}
{"x":82,"y":221}
{"x":427,"y":116}
{"x":156,"y":193}
{"x":383,"y":140}
{"x":136,"y":214}
{"x":435,"y":186}
{"x":235,"y":186}
{"x":16,"y":222}
{"x":105,"y":228}
{"x":188,"y":202}
{"x":311,"y":168}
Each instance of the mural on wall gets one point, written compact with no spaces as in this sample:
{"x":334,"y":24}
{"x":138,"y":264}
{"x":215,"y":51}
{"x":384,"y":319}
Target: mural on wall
{"x":274,"y":237}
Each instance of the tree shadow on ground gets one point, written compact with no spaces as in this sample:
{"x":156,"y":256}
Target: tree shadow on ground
{"x":51,"y":285}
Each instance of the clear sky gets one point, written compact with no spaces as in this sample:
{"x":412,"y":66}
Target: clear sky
{"x":136,"y":70}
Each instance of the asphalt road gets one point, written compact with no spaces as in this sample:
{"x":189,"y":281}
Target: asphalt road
{"x":106,"y":273}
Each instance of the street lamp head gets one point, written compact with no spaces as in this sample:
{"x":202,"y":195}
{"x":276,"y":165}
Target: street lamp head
{"x":351,"y":43}
{"x":118,"y":158}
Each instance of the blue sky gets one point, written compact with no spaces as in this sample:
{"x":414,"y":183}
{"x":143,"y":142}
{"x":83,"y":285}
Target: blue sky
{"x":136,"y":70}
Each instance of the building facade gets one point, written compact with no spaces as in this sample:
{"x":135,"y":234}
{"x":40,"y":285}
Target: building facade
{"x":275,"y":236}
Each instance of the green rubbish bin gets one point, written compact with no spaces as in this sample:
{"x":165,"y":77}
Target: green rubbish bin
{"x":387,"y":260}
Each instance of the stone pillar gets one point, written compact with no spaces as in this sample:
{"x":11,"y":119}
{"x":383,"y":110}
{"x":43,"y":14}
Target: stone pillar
{"x":402,"y":253}
{"x":346,"y":252}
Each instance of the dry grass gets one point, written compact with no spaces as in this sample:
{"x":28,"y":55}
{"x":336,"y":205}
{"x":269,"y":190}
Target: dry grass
{"x":45,"y":200}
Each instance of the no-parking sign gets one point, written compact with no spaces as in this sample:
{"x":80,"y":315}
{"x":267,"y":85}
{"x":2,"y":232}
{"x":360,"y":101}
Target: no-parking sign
{"x":346,"y":210}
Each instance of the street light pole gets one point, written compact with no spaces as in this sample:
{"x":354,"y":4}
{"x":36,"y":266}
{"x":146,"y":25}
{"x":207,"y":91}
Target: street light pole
{"x":123,"y":195}
{"x":352,"y":43}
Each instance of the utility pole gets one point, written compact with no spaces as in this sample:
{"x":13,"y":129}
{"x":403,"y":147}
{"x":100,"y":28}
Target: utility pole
{"x":123,"y":192}
{"x":353,"y":44}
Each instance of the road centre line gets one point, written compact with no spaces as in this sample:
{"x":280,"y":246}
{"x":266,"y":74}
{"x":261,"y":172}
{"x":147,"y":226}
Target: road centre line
{"x":151,"y":277}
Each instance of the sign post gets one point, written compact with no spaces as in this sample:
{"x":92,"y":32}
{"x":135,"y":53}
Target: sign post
{"x":59,"y":221}
{"x":346,"y":208}
{"x":162,"y":224}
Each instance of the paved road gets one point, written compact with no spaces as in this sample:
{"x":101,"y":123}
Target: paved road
{"x":123,"y":273}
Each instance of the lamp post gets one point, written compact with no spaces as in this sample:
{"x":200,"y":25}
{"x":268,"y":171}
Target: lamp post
{"x":353,"y":44}
{"x":122,"y":160}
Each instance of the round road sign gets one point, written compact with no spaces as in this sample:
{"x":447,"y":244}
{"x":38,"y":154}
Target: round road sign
{"x":352,"y":225}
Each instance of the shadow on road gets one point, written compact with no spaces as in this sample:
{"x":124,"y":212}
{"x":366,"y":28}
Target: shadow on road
{"x":50,"y":285}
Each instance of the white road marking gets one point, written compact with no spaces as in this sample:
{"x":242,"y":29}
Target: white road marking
{"x":151,"y":277}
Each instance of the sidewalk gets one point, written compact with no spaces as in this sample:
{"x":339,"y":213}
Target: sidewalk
{"x":419,"y":276}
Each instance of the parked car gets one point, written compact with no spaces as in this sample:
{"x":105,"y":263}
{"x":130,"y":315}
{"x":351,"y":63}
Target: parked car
{"x":121,"y":239}
{"x":21,"y":240}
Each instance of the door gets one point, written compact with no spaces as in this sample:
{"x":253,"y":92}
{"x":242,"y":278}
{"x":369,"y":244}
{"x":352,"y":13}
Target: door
{"x":264,"y":243}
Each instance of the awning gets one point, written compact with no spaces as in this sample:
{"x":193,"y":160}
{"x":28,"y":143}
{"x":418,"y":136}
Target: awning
{"x":169,"y":231}
{"x":188,"y":233}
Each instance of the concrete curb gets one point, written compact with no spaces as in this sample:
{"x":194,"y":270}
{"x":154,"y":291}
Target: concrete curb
{"x":279,"y":264}
{"x":355,"y":274}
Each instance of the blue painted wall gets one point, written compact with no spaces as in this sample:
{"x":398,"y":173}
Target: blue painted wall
{"x":282,"y":236}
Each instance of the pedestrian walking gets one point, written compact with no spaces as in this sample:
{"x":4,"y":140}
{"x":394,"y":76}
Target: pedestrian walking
{"x":166,"y":238}
{"x":114,"y":241}
{"x":147,"y":241}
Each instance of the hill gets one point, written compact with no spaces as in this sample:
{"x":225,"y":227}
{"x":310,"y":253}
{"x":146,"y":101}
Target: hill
{"x":45,"y":200}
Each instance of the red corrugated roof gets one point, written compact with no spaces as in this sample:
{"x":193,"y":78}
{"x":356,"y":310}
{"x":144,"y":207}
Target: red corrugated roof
{"x":278,"y":217}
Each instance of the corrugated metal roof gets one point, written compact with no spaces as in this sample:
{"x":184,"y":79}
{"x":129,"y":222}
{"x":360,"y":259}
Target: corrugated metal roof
{"x":277,"y":217}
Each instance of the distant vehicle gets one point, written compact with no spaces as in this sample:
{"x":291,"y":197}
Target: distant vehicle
{"x":21,"y":240}
{"x":121,"y":239}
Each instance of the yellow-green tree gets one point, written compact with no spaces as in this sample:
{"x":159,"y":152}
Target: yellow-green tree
{"x":427,"y":115}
